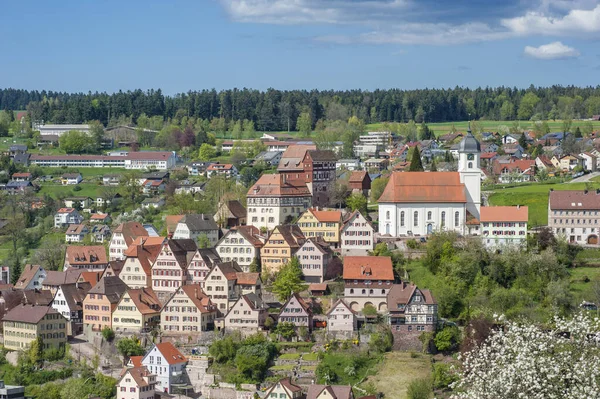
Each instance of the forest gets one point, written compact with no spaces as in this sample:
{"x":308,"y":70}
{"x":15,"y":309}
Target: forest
{"x":277,"y":110}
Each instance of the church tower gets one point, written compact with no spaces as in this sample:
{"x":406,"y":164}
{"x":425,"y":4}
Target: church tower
{"x":469,"y":152}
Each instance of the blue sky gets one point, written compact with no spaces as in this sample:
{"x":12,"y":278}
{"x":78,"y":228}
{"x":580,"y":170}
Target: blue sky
{"x":78,"y":45}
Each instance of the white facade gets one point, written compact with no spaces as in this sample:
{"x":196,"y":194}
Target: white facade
{"x":59,"y":130}
{"x":165,"y":373}
{"x":128,"y":388}
{"x":421,"y":219}
{"x":138,"y":160}
{"x":470,"y":175}
{"x":357,"y":236}
{"x":234,"y":247}
{"x":272,"y":212}
{"x":117,"y":247}
{"x":62,"y":219}
{"x":350,"y":164}
{"x":341,"y":318}
{"x":499,"y":234}
{"x":183,"y":231}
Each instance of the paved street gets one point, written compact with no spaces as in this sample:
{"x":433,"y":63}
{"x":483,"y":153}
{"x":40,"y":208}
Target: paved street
{"x":585,"y":178}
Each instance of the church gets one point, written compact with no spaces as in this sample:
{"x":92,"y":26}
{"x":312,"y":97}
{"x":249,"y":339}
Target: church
{"x":420,"y":203}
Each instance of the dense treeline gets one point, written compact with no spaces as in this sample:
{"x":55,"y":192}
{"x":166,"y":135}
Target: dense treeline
{"x":274,"y":110}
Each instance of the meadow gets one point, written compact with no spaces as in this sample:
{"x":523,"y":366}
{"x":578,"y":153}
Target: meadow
{"x":535,"y":196}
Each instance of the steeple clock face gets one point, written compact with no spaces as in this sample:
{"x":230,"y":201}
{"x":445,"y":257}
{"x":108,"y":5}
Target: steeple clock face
{"x":470,"y":157}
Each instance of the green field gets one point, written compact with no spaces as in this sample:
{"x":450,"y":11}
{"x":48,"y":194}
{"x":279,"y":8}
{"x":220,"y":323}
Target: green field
{"x":535,"y":196}
{"x":397,"y":371}
{"x":57,"y":190}
{"x":445,"y":127}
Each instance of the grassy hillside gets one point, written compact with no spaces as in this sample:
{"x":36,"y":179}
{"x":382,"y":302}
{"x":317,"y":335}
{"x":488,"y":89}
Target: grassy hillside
{"x":534,"y":196}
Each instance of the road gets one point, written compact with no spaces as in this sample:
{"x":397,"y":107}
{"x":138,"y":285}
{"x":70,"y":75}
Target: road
{"x":585,"y":178}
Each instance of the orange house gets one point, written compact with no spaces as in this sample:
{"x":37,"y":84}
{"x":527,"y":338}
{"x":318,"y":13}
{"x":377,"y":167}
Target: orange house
{"x":100,"y":302}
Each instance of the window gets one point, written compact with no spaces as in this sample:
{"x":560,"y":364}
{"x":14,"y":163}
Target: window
{"x":429,"y":215}
{"x":401,"y":219}
{"x":416,"y":219}
{"x":443,"y":219}
{"x":387,"y":215}
{"x":456,"y":217}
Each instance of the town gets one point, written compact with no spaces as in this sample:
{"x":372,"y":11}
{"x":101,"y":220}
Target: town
{"x":274,"y":266}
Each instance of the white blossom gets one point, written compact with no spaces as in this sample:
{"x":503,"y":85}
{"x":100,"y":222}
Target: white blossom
{"x":527,"y":361}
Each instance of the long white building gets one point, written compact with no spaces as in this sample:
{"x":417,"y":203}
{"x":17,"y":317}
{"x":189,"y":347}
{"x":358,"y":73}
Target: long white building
{"x":161,"y":160}
{"x":58,"y":130}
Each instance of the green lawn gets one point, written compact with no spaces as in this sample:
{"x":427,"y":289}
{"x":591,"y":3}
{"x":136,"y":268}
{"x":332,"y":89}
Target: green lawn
{"x":283,"y":367}
{"x":394,"y":375}
{"x":310,"y":357}
{"x":444,"y":127}
{"x":55,"y":190}
{"x":87,"y":173}
{"x":289,"y":356}
{"x":534,"y":196}
{"x":582,"y":279}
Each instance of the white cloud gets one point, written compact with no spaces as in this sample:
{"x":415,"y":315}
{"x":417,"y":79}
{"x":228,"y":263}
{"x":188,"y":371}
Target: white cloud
{"x":575,"y":22}
{"x":551,"y":51}
{"x":391,"y":21}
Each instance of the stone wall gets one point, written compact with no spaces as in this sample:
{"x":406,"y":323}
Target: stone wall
{"x":407,"y":341}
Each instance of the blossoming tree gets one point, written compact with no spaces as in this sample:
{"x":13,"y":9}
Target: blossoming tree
{"x":527,"y":361}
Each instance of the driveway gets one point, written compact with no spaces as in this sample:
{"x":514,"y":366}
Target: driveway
{"x":585,"y":178}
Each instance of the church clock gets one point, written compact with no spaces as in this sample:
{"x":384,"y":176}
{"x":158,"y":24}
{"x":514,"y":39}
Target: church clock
{"x":470,"y":157}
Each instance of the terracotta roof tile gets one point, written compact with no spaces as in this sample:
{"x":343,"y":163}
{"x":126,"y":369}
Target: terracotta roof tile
{"x":199,"y":298}
{"x":130,"y":231}
{"x":368,"y":268}
{"x":248,"y":278}
{"x":407,"y":187}
{"x":574,"y":200}
{"x":276,"y":186}
{"x":145,"y":300}
{"x":325,"y":216}
{"x":86,"y":255}
{"x":29,"y":272}
{"x":504,"y":214}
{"x":28,"y":313}
{"x":171,"y":354}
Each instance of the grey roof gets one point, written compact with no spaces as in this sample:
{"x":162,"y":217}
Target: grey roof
{"x":18,"y":147}
{"x":21,"y":158}
{"x":18,"y":184}
{"x":199,"y":222}
{"x":28,"y":313}
{"x":469,"y":144}
{"x":111,"y":286}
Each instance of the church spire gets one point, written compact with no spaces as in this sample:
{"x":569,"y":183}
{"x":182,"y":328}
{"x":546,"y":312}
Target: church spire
{"x":469,"y":129}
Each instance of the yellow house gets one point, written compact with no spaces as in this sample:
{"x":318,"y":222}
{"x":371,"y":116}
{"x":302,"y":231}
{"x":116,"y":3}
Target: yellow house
{"x":25,"y":323}
{"x":137,"y":311}
{"x":321,"y":223}
{"x":282,"y":244}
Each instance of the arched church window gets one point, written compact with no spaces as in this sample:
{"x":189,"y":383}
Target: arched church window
{"x":387,"y":215}
{"x":456,"y":217}
{"x":416,"y":219}
{"x":470,"y":165}
{"x":443,"y":219}
{"x":429,"y":215}
{"x":402,"y":218}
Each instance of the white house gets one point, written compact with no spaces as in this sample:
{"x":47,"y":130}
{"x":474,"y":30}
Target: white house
{"x":31,"y":278}
{"x":357,"y":235}
{"x":167,"y":363}
{"x":71,"y":179}
{"x":220,"y":169}
{"x":59,"y":129}
{"x":194,"y":225}
{"x":419,"y":203}
{"x":76,"y":233}
{"x":590,"y":161}
{"x":504,"y":225}
{"x":66,"y":216}
{"x":241,"y":244}
{"x":349,"y":164}
{"x":122,"y":237}
{"x":341,"y":317}
{"x":136,"y":383}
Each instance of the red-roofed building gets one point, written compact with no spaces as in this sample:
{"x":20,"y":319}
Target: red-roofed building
{"x":66,"y":216}
{"x":504,"y":225}
{"x":136,"y":382}
{"x":221,"y":169}
{"x":360,"y":181}
{"x":324,"y":224}
{"x":167,"y":363}
{"x":273,"y":199}
{"x":411,"y":309}
{"x":367,"y":281}
{"x":575,"y":215}
{"x":122,"y":238}
{"x":514,"y":171}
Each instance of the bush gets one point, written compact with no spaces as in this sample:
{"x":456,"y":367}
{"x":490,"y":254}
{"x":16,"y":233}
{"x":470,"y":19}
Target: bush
{"x":77,"y":188}
{"x":447,"y":339}
{"x":108,"y":334}
{"x":412,"y":243}
{"x":443,"y":375}
{"x":419,"y":389}
{"x":381,"y":341}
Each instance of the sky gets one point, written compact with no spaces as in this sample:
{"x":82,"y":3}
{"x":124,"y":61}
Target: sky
{"x":177,"y":45}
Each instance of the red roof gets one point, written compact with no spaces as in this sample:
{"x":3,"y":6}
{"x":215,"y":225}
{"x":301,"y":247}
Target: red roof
{"x":99,"y":216}
{"x":21,"y":174}
{"x":171,"y":354}
{"x":219,"y":166}
{"x":327,"y":216}
{"x":276,"y":186}
{"x":66,"y":210}
{"x":136,"y":361}
{"x":368,"y":268}
{"x":504,"y":214}
{"x":488,"y":155}
{"x":521,"y":165}
{"x":424,"y":187}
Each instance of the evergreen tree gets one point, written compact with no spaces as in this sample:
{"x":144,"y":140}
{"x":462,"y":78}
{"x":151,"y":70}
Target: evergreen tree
{"x":288,"y":280}
{"x":433,"y":166}
{"x":415,"y":163}
{"x":523,"y":141}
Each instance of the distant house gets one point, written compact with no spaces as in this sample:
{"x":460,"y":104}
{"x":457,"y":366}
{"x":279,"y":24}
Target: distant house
{"x":284,"y":389}
{"x":230,"y":213}
{"x":201,"y":263}
{"x":111,"y":180}
{"x":341,"y":317}
{"x":76,"y":233}
{"x":487,"y":158}
{"x":103,"y":218}
{"x":137,"y":311}
{"x":297,"y":312}
{"x":367,"y":281}
{"x":514,"y":150}
{"x":136,"y":383}
{"x":324,"y":224}
{"x":360,"y":182}
{"x":25,"y":323}
{"x":197,"y":168}
{"x":514,"y":171}
{"x":31,"y":278}
{"x":24,"y":176}
{"x":100,"y":233}
{"x":329,"y":392}
{"x":349,"y":164}
{"x":247,"y":314}
{"x":201,"y":309}
{"x":139,"y":257}
{"x":510,"y":138}
{"x":217,"y":169}
{"x":17,"y":149}
{"x":193,"y":226}
{"x":73,"y":202}
{"x":167,"y":363}
{"x":123,"y":236}
{"x":190,"y":187}
{"x":100,"y":302}
{"x":376,"y":164}
{"x":241,"y":244}
{"x":71,"y":178}
{"x":86,"y":257}
{"x":14,"y":187}
{"x":590,"y":161}
{"x":279,"y":248}
{"x":357,"y":235}
{"x":153,"y":186}
{"x":504,"y":225}
{"x":271,"y":158}
{"x":314,"y":255}
{"x":153,"y":202}
{"x":570,"y":162}
{"x":543,"y":162}
{"x":67,"y":216}
{"x":21,"y":159}
{"x":68,"y":301}
{"x":411,"y":309}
